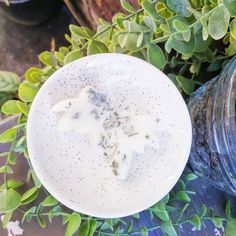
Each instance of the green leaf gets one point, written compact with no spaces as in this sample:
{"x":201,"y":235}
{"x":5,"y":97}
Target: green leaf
{"x":95,"y":47}
{"x":156,"y":56}
{"x":12,"y":183}
{"x":130,"y":226}
{"x":231,"y":50}
{"x":73,"y":224}
{"x":140,"y":39}
{"x":4,"y":154}
{"x":138,"y":54}
{"x":166,"y":199}
{"x":233,"y":28}
{"x":204,"y":29}
{"x":184,"y":47}
{"x":110,"y":223}
{"x":27,"y":91}
{"x":150,"y":9}
{"x":8,"y":136}
{"x":195,"y":221}
{"x":230,"y":228}
{"x":186,"y":84}
{"x":180,"y":7}
{"x":11,"y":158}
{"x":128,"y":41}
{"x":168,"y":228}
{"x":49,"y":201}
{"x":55,"y":212}
{"x":231,"y":6}
{"x":60,"y":56}
{"x":180,"y":26}
{"x":117,"y":233}
{"x":27,"y":215}
{"x":92,"y":228}
{"x":218,"y":23}
{"x":228,"y":209}
{"x":181,"y":184}
{"x":24,"y":108}
{"x":6,"y":219}
{"x":122,"y":39}
{"x":127,"y":6}
{"x":190,"y":177}
{"x":74,"y":55}
{"x":144,"y":231}
{"x":203,"y":210}
{"x":20,"y":142}
{"x":41,"y":221}
{"x":48,"y":59}
{"x":136,"y":216}
{"x":30,"y":195}
{"x":200,"y":44}
{"x":169,"y":44}
{"x":196,"y":14}
{"x":215,"y":65}
{"x":34,"y":74}
{"x":9,"y":81}
{"x":106,"y":36}
{"x":9,"y":200}
{"x":118,"y":20}
{"x":81,"y":32}
{"x":150,"y":23}
{"x":160,"y":211}
{"x":182,"y":196}
{"x":65,"y":219}
{"x":132,"y":26}
{"x":84,"y":228}
{"x":37,"y":182}
{"x":56,"y":209}
{"x":6,"y":169}
{"x":186,"y":36}
{"x":217,"y":222}
{"x":10,"y":107}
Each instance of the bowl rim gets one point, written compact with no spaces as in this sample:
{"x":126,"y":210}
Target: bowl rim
{"x":58,"y":195}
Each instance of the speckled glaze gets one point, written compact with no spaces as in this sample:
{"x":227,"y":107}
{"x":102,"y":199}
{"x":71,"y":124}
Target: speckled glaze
{"x":77,"y":174}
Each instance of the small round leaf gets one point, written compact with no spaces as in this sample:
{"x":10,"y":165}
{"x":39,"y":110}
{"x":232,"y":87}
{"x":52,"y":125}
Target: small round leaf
{"x":27,"y":91}
{"x":9,"y":200}
{"x":10,"y":107}
{"x":156,"y":56}
{"x":8,"y":136}
{"x":218,"y":23}
{"x":95,"y":47}
{"x":74,"y":55}
{"x":29,"y":195}
{"x":73,"y":224}
{"x":48,"y":59}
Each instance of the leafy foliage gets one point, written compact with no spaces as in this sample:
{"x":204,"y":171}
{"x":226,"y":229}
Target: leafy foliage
{"x":9,"y":83}
{"x":178,"y":36}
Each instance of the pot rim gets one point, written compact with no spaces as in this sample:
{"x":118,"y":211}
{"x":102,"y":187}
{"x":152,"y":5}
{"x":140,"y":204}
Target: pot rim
{"x":14,"y":1}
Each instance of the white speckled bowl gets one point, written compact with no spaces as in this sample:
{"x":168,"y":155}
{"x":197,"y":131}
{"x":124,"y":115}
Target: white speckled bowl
{"x":74,"y":172}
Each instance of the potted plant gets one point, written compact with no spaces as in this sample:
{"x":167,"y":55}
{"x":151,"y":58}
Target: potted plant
{"x":28,"y":12}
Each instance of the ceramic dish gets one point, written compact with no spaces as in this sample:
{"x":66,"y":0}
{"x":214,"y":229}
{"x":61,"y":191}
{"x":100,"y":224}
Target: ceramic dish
{"x":77,"y":174}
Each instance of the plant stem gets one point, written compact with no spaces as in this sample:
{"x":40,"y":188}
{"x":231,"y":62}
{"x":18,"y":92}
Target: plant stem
{"x":182,"y":212}
{"x":114,"y":24}
{"x":6,"y":163}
